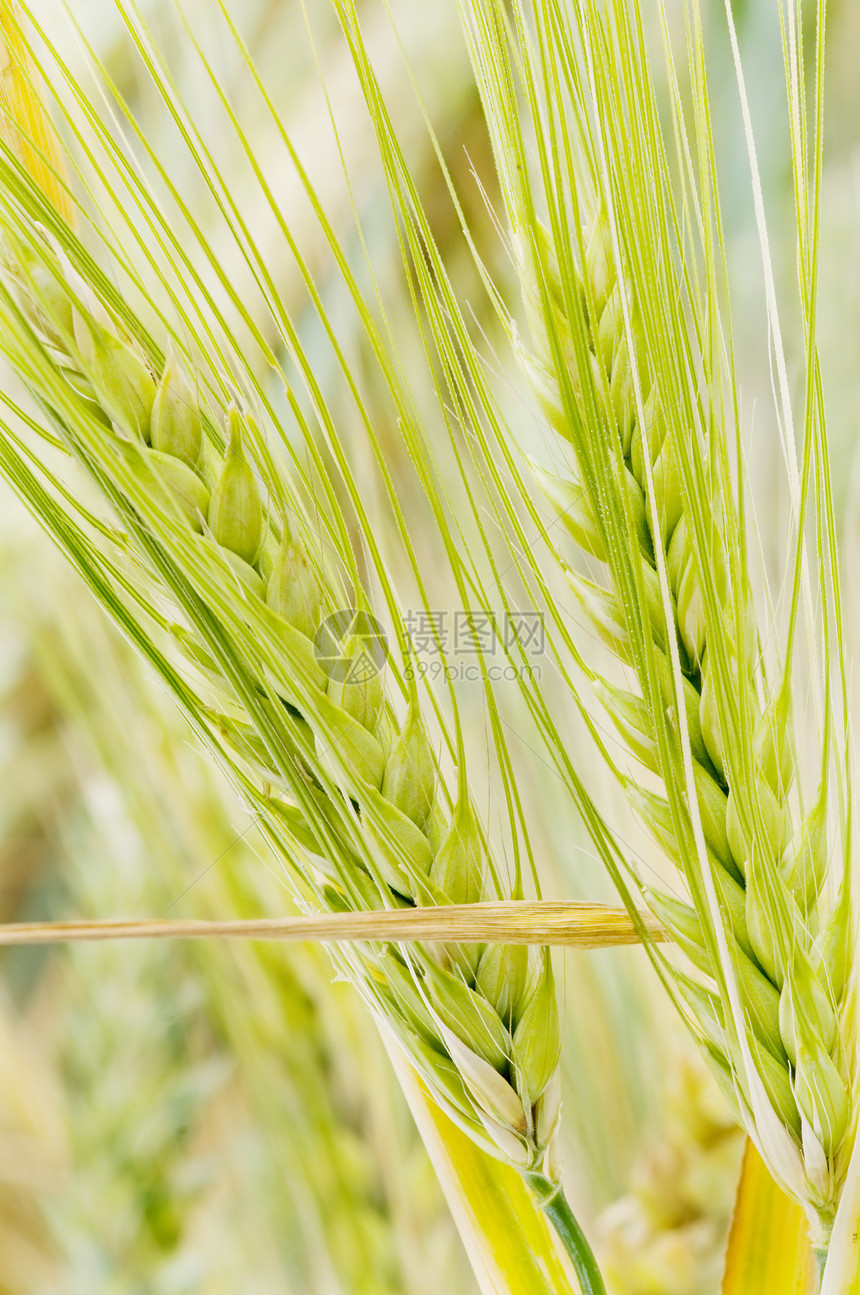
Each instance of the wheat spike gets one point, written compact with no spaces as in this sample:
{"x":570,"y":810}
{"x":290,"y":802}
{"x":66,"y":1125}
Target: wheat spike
{"x":335,"y":769}
{"x":785,"y":959}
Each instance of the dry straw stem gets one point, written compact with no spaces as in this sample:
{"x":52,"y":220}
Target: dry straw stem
{"x":561,"y":924}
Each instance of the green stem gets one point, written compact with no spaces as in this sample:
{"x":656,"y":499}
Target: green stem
{"x":552,"y":1200}
{"x":820,"y":1253}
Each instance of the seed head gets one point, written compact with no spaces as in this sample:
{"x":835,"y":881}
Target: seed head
{"x":805,"y":1008}
{"x":235,"y":509}
{"x":610,"y":330}
{"x":358,"y":686}
{"x":458,"y":867}
{"x":501,"y":977}
{"x":537,"y":1042}
{"x":820,"y":1093}
{"x":400,"y":850}
{"x":829,"y":955}
{"x":410,"y":774}
{"x":755,"y":823}
{"x":652,"y":440}
{"x":184,"y":488}
{"x":602,"y":611}
{"x":630,"y":716}
{"x":761,"y":1001}
{"x":470,"y":1017}
{"x":682,"y":922}
{"x":600,"y":264}
{"x":803,"y":864}
{"x":712,"y":809}
{"x":622,"y":398}
{"x":493,"y":1093}
{"x":769,"y":917}
{"x":294,"y":591}
{"x":571,"y":506}
{"x":122,"y":383}
{"x":176,"y":426}
{"x":772,"y":745}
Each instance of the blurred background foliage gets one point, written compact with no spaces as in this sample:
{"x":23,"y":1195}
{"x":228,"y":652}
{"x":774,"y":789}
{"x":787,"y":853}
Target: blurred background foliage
{"x":175,"y":1117}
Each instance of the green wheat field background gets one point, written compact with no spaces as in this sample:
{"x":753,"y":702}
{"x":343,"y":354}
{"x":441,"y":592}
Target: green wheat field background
{"x":525,"y":358}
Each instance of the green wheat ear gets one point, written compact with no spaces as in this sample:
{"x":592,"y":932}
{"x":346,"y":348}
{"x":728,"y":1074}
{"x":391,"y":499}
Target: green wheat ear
{"x":218,"y":565}
{"x":343,"y":775}
{"x":766,"y":876}
{"x":647,"y":492}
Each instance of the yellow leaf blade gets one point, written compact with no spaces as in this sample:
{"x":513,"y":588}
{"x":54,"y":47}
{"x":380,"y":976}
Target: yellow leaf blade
{"x":24,"y":122}
{"x":510,"y":1244}
{"x":768,"y":1247}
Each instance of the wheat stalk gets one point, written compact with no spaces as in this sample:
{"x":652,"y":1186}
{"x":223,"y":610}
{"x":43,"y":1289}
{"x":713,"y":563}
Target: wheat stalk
{"x":631,"y":362}
{"x":786,"y":962}
{"x":337,"y":771}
